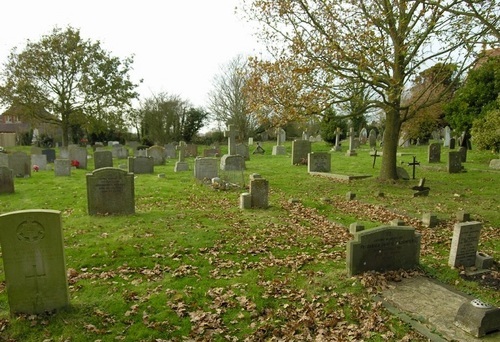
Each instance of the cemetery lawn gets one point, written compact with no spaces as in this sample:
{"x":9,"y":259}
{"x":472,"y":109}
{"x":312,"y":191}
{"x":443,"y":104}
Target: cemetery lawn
{"x":190,"y":265}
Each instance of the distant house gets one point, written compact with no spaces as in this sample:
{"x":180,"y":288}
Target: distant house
{"x":15,"y":120}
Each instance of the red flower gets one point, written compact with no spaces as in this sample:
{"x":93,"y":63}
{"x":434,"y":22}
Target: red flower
{"x":75,"y":163}
{"x":36,"y":168}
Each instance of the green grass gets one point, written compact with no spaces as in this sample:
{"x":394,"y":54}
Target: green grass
{"x":190,"y":264}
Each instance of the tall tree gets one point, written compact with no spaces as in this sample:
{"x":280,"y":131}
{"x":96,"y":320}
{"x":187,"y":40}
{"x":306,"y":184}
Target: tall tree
{"x":227,"y":100}
{"x":331,"y":45}
{"x":69,"y":77}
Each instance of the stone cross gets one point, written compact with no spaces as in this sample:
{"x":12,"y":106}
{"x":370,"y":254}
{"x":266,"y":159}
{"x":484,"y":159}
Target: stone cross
{"x":231,"y":141}
{"x":182,"y":150}
{"x":278,"y":136}
{"x":337,"y":138}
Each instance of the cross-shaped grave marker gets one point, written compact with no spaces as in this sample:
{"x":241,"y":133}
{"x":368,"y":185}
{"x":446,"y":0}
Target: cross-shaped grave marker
{"x":413,"y":164}
{"x":231,"y":141}
{"x":182,"y":150}
{"x":375,"y":155}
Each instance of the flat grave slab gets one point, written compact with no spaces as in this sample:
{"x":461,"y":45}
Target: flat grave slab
{"x":430,"y":307}
{"x":339,"y":176}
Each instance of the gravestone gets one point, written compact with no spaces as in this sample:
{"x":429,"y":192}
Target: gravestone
{"x":363,"y":136}
{"x":463,"y":154}
{"x":63,"y":153}
{"x":250,"y":141}
{"x":40,"y":160}
{"x":434,"y":153}
{"x":383,"y":249}
{"x":279,"y":149}
{"x":110,"y":191}
{"x":103,"y":159}
{"x":464,"y":244}
{"x":80,"y":155}
{"x":33,"y":261}
{"x":319,"y":162}
{"x":206,"y":168}
{"x":6,"y":180}
{"x":300,"y":150}
{"x":429,"y":220}
{"x":4,"y":159}
{"x":62,"y":167}
{"x":259,"y":191}
{"x":452,"y":143}
{"x":454,"y":162}
{"x":141,"y":165}
{"x":232,"y":161}
{"x":337,"y":146}
{"x":351,"y":151}
{"x":170,"y":151}
{"x":20,"y":163}
{"x":50,"y":153}
{"x":181,"y":164}
{"x":402,"y":173}
{"x":141,"y":153}
{"x":243,"y":151}
{"x":211,"y":152}
{"x":158,"y":154}
{"x":191,"y":150}
{"x":119,"y":152}
{"x":447,"y":136}
{"x":372,"y":138}
{"x":494,"y":164}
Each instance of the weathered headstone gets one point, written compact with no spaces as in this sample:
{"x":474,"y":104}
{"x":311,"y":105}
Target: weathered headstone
{"x":50,"y":153}
{"x":434,"y":153}
{"x":337,"y":146}
{"x":40,"y":160}
{"x":230,"y":134}
{"x":63,"y":153}
{"x":20,"y":163}
{"x":429,"y":220}
{"x":181,"y":164}
{"x":300,"y":150}
{"x":372,"y":138}
{"x":36,"y":150}
{"x":352,"y":150}
{"x":452,"y":143}
{"x":4,"y":159}
{"x":170,"y":151}
{"x":464,"y":244}
{"x":319,"y":162}
{"x":279,"y":149}
{"x":363,"y":136}
{"x":259,"y":191}
{"x":232,"y":161}
{"x":478,"y":318}
{"x":158,"y":154}
{"x":206,"y":168}
{"x":211,"y":152}
{"x":402,"y":173}
{"x":119,"y":152}
{"x":243,"y":151}
{"x":191,"y":150}
{"x":495,"y":164}
{"x":6,"y":180}
{"x":110,"y":191}
{"x":454,"y":162}
{"x":141,"y":165}
{"x":62,"y":167}
{"x":103,"y":159}
{"x":383,"y":249}
{"x":80,"y":155}
{"x":33,"y":261}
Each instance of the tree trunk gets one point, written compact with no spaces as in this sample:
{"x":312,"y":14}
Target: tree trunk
{"x":390,"y":148}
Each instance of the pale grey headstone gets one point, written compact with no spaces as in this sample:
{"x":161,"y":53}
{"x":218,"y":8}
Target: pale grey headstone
{"x":103,"y":159}
{"x":33,"y":261}
{"x":319,"y":162}
{"x":4,"y":159}
{"x":206,"y":168}
{"x":259,"y":192}
{"x":110,"y":191}
{"x":464,"y":244}
{"x":158,"y":154}
{"x":232,"y":162}
{"x":62,"y":167}
{"x":20,"y":163}
{"x":40,"y":160}
{"x":140,"y":165}
{"x":79,"y":154}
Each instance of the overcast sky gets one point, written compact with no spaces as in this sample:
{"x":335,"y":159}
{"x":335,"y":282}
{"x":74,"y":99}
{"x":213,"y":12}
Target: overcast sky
{"x":179,"y":45}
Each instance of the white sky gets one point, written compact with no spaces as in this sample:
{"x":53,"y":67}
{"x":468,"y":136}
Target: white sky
{"x":179,"y":45}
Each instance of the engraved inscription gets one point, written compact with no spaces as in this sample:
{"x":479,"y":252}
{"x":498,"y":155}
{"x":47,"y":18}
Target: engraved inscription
{"x":30,"y":231}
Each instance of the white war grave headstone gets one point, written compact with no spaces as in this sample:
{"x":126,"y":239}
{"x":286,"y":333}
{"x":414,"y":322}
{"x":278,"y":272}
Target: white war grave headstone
{"x":33,"y":260}
{"x":110,"y":191}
